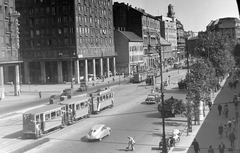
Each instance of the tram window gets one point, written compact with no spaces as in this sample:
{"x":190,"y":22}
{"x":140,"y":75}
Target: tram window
{"x":106,"y":96}
{"x":86,"y":103}
{"x":82,"y":105}
{"x":77,"y":106}
{"x":58,"y":113}
{"x":97,"y":98}
{"x":53,"y":114}
{"x":101,"y":98}
{"x":37,"y":118}
{"x":47,"y":117}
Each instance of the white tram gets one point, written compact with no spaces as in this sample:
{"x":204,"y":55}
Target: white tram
{"x":101,"y":99}
{"x":41,"y":120}
{"x":76,"y":108}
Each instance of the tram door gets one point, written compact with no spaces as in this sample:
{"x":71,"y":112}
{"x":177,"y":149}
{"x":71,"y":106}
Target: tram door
{"x":41,"y":122}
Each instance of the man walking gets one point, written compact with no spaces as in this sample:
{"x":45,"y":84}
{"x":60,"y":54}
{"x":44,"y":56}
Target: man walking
{"x":220,"y":130}
{"x":221,"y":147}
{"x":219,"y":109}
{"x":232,"y":139}
{"x":196,"y":146}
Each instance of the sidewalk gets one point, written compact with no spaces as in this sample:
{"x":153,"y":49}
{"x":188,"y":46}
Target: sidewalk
{"x":207,"y":132}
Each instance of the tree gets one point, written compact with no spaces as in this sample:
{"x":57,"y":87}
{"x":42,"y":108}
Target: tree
{"x":201,"y":81}
{"x":218,"y":49}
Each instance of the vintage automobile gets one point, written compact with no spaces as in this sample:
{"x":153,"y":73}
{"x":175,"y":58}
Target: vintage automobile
{"x":83,"y":86}
{"x":98,"y":132}
{"x":152,"y":98}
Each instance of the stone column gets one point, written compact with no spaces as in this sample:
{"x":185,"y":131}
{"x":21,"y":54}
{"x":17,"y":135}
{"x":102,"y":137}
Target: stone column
{"x":5,"y":68}
{"x":26,"y":72}
{"x":77,"y":71}
{"x":114,"y":66}
{"x":43,"y":72}
{"x":108,"y":67}
{"x":59,"y":70}
{"x":101,"y":67}
{"x":17,"y":82}
{"x":94,"y":69}
{"x":86,"y":70}
{"x":2,"y":91}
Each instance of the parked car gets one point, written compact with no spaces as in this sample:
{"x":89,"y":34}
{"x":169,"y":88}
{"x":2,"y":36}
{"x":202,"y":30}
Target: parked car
{"x":152,"y":98}
{"x":98,"y":132}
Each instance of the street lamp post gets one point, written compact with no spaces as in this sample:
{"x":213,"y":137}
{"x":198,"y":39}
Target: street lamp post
{"x":72,"y":71}
{"x":164,"y":148}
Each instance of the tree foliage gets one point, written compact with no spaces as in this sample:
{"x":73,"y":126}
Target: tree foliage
{"x":218,"y":49}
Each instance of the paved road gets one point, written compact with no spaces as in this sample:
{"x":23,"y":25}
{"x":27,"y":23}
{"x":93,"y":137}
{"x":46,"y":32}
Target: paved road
{"x":139,"y":120}
{"x":11,"y":128}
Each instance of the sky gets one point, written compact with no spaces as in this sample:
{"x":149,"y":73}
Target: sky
{"x":195,"y":15}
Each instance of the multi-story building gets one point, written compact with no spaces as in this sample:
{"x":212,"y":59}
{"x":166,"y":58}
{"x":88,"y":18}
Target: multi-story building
{"x":129,"y":47}
{"x":62,"y":40}
{"x":229,"y":26}
{"x":9,"y":44}
{"x":169,"y":29}
{"x":146,"y":26}
{"x":180,"y":40}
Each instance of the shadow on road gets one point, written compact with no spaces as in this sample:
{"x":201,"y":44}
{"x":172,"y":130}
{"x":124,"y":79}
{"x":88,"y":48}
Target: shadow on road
{"x":15,"y":135}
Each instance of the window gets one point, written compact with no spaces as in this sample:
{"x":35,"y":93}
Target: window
{"x":65,"y":31}
{"x":53,"y":11}
{"x":37,"y":32}
{"x":66,"y":42}
{"x":59,"y":31}
{"x":49,"y":42}
{"x":59,"y":19}
{"x":48,"y":9}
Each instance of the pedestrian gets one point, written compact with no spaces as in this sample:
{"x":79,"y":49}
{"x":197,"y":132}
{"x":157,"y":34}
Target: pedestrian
{"x":226,"y":110}
{"x":220,"y":130}
{"x":232,"y":139}
{"x":219,"y":109}
{"x":233,"y":124}
{"x":40,"y":94}
{"x":229,"y":124}
{"x":210,"y":149}
{"x":226,"y":130}
{"x":131,"y":143}
{"x":221,"y":147}
{"x":210,"y":105}
{"x":196,"y":146}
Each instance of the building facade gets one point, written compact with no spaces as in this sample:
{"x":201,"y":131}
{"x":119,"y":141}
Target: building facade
{"x":226,"y":26}
{"x":146,"y":26}
{"x":66,"y":40}
{"x":130,"y":52}
{"x":9,"y":44}
{"x":181,"y":46}
{"x":169,"y":29}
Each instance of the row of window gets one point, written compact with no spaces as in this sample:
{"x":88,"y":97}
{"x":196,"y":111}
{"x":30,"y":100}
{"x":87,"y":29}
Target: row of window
{"x":81,"y":105}
{"x":94,"y":32}
{"x":136,"y":58}
{"x":105,"y":97}
{"x":49,"y":32}
{"x":47,"y":42}
{"x":135,"y":48}
{"x":89,"y":11}
{"x":95,"y":42}
{"x":52,"y":115}
{"x":94,"y":22}
{"x":7,"y":54}
{"x":47,"y":21}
